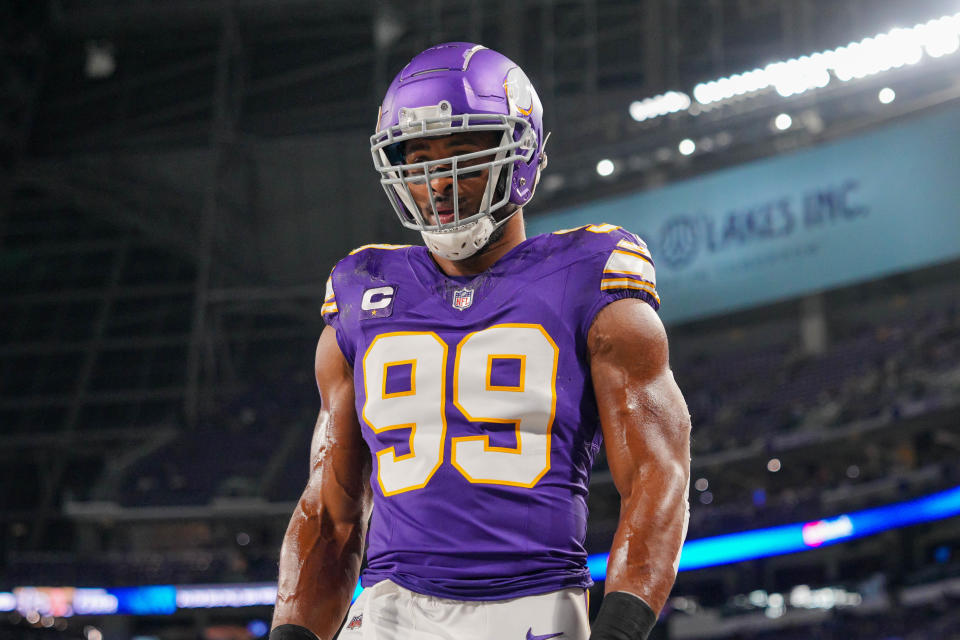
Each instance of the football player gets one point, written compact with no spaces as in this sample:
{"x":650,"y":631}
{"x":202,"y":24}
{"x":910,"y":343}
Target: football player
{"x":467,"y":386}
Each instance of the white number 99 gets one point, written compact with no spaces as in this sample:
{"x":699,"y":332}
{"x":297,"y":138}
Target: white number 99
{"x":530,"y":404}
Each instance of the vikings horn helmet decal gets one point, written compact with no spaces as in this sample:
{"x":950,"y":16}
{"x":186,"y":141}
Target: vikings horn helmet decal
{"x":453,"y":88}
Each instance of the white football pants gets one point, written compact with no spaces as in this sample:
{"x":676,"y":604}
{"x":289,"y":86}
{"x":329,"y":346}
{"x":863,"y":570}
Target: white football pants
{"x":387,"y":611}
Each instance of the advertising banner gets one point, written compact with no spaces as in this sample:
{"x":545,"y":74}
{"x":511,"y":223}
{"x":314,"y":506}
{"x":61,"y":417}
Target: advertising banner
{"x":884,"y":202}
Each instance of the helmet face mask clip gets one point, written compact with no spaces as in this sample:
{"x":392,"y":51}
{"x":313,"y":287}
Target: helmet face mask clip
{"x":451,"y":89}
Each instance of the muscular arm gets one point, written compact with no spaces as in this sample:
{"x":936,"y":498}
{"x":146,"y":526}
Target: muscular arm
{"x":646,"y":428}
{"x":323,"y":546}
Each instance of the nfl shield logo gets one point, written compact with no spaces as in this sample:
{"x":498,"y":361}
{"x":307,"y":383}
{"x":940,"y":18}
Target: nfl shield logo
{"x":462,"y":298}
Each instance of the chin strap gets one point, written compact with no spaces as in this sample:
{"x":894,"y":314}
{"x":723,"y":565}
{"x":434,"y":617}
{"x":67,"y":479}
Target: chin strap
{"x":463,"y":242}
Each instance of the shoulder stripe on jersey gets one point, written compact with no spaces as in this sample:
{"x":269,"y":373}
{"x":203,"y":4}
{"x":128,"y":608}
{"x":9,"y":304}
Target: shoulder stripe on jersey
{"x":606,"y":227}
{"x":642,"y":256}
{"x":389,"y":247}
{"x":631,"y":264}
{"x":626,"y":282}
{"x":329,"y":296}
{"x":629,"y":283}
{"x":560,"y":232}
{"x":639,"y":247}
{"x":330,"y":307}
{"x":619,"y":275}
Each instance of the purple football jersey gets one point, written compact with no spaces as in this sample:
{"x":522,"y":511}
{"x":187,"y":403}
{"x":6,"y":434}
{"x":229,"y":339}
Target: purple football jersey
{"x":474,"y":396}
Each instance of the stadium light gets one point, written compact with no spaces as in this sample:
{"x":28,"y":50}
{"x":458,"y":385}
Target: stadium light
{"x":687,"y":146}
{"x":882,"y":52}
{"x":890,"y":50}
{"x":940,"y":37}
{"x":887,"y":95}
{"x":783,"y":122}
{"x":776,"y":606}
{"x":661,"y":105}
{"x":605,"y":167}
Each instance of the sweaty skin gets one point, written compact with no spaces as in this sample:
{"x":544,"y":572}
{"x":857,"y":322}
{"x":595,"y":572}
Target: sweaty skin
{"x":323,"y":547}
{"x":646,"y":432}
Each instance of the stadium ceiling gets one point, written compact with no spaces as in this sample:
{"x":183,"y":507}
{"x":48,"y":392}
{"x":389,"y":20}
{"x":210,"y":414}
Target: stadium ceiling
{"x":143,"y":74}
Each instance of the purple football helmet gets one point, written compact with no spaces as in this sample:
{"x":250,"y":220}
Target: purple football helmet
{"x":453,"y":88}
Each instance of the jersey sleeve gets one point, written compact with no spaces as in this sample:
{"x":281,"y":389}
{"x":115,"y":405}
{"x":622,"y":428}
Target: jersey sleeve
{"x":332,"y":315}
{"x":622,"y":268}
{"x":329,"y":309}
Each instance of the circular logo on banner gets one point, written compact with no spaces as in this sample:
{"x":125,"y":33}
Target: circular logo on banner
{"x":679,"y":241}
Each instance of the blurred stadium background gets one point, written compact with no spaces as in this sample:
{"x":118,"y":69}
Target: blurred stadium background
{"x":178,"y":176}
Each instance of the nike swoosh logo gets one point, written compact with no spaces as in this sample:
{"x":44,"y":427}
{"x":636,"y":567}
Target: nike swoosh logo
{"x":530,"y":635}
